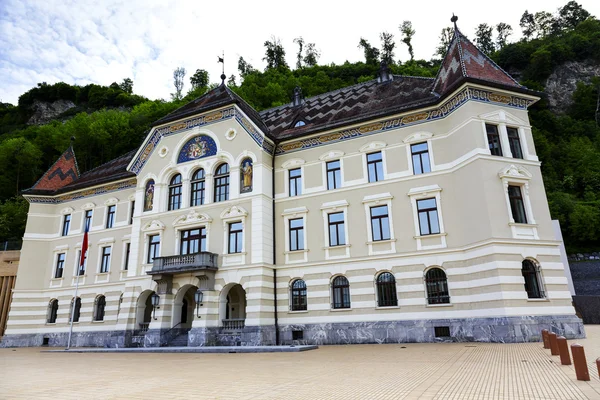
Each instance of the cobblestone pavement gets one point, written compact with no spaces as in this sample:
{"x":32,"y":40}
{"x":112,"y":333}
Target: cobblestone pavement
{"x":400,"y":371}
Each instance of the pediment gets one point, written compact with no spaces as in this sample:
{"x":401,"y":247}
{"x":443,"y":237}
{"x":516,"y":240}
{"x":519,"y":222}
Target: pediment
{"x":293,"y":163}
{"x":88,"y":206}
{"x":515,"y":172}
{"x":111,"y":201}
{"x":193,"y":217}
{"x":66,"y":210}
{"x":154,"y":225}
{"x":372,"y":146}
{"x":234,"y":212}
{"x":331,"y":155}
{"x":418,"y":137}
{"x":502,"y":116}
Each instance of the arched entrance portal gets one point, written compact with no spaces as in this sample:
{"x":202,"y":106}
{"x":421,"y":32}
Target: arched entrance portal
{"x":232,"y":308}
{"x":143,"y":314}
{"x":184,"y":307}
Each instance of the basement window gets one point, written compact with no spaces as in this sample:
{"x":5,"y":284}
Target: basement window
{"x":297,"y":335}
{"x":442,"y":331}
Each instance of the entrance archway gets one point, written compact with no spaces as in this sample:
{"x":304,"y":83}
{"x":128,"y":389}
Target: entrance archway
{"x":232,"y":307}
{"x":184,"y":307}
{"x":143,"y":313}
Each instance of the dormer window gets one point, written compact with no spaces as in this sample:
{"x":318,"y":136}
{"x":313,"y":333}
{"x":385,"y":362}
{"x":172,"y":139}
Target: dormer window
{"x":299,"y":123}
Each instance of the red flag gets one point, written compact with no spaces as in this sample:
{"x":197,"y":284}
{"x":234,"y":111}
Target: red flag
{"x":84,"y":248}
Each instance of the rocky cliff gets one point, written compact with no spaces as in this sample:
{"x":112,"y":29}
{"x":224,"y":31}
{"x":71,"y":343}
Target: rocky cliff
{"x":561,"y":84}
{"x":44,"y":112}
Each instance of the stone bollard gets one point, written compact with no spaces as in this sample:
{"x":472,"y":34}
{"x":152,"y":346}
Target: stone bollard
{"x":545,"y":338}
{"x":581,"y":368}
{"x":553,"y":344}
{"x":563,"y":349}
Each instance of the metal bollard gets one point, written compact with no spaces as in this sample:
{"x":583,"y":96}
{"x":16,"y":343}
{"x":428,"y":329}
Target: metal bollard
{"x":553,"y":344}
{"x":545,"y":338}
{"x":581,"y":368}
{"x":563,"y":349}
{"x":598,"y":366}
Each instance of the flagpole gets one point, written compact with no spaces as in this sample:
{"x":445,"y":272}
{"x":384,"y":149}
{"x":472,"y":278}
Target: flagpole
{"x":73,"y":308}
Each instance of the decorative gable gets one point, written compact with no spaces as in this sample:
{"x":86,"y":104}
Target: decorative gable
{"x":63,"y":172}
{"x":513,"y":172}
{"x":192,"y":218}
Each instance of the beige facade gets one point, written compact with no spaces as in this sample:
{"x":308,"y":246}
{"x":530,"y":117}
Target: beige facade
{"x":254,"y":294}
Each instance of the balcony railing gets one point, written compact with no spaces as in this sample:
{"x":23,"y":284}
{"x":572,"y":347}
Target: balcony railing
{"x":184,"y":263}
{"x":234,"y":324}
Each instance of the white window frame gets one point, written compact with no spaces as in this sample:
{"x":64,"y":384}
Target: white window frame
{"x":335,"y":155}
{"x":57,"y":282}
{"x":416,"y":138}
{"x":503,"y":119}
{"x":519,"y":176}
{"x":421,"y":193}
{"x":152,"y":228}
{"x":101,"y":247}
{"x":233,"y":214}
{"x":88,"y":207}
{"x":63,"y":212}
{"x":76,"y":265}
{"x":294,"y":163}
{"x":381,"y":199}
{"x":192,"y":220}
{"x":294,"y":213}
{"x":331,"y":208}
{"x":373,"y":147}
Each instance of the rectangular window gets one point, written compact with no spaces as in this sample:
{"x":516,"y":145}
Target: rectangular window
{"x":105,"y":263}
{"x":235,"y":237}
{"x":60,"y":265}
{"x":153,"y":248}
{"x":110,"y":216}
{"x":516,"y":204}
{"x":127,"y":251}
{"x":296,"y":234}
{"x":79,"y":267}
{"x":420,"y":158}
{"x":493,"y":140}
{"x":193,"y":241}
{"x":380,"y":223}
{"x":334,"y":175}
{"x":515,"y":143}
{"x":198,"y":189}
{"x":429,"y":223}
{"x":337,"y":235}
{"x":131,"y":211}
{"x":375,"y":167}
{"x":66,"y":225}
{"x":295,"y":182}
{"x":87,"y":220}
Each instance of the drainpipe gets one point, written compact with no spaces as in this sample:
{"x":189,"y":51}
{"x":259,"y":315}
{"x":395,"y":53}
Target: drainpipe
{"x":274,"y":245}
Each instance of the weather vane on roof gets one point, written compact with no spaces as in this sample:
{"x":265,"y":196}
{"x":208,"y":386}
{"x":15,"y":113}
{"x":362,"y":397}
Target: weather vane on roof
{"x":222,"y":61}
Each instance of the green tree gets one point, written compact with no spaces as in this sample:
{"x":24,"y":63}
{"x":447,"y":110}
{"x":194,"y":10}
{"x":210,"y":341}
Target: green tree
{"x":178,"y":76}
{"x":371,"y":53}
{"x":127,"y":86}
{"x":445,"y":39}
{"x":407,"y":31}
{"x":19,"y":165}
{"x":545,"y":23}
{"x":311,"y":55}
{"x":199,"y":79}
{"x":504,"y":31}
{"x":244,"y":67}
{"x":387,"y":48}
{"x":571,"y":15}
{"x":483,"y":38}
{"x":13,"y":217}
{"x":274,"y":54}
{"x":527,"y":24}
{"x":300,"y":42}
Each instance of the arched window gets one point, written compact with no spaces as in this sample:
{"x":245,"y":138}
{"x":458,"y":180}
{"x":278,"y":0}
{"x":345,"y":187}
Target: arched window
{"x":175,"y":193}
{"x":198,"y":188}
{"x":99,"y":308}
{"x":298,"y":295}
{"x":149,"y":195}
{"x":533,"y":285}
{"x":386,"y":290}
{"x":437,"y":286}
{"x":222,"y":183}
{"x":75,"y":314}
{"x":341,"y":292}
{"x":52,"y":311}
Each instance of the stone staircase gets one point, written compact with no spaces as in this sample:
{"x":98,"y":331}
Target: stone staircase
{"x":179,"y":340}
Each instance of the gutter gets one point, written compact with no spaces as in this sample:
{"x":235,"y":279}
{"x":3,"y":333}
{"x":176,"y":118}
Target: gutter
{"x":274,"y":245}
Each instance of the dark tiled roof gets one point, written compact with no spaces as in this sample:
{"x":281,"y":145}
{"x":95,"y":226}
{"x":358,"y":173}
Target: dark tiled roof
{"x":108,"y":172}
{"x":218,"y":97}
{"x":62,"y":173}
{"x":349,"y":105}
{"x":464,"y":60}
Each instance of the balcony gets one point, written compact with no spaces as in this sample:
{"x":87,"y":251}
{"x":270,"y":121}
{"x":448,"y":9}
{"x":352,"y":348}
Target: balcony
{"x":184,"y":263}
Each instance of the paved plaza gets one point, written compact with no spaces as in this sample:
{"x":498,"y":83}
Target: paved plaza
{"x":399,"y":371}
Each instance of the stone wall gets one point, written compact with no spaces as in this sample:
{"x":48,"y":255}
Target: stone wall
{"x":585,"y":270}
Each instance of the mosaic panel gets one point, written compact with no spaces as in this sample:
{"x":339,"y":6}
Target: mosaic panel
{"x":111,"y":187}
{"x":197,"y":147}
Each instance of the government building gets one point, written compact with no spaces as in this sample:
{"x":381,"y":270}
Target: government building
{"x":402,"y":209}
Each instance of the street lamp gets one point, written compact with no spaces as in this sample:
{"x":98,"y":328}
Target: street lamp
{"x":155,"y":299}
{"x":198,"y":296}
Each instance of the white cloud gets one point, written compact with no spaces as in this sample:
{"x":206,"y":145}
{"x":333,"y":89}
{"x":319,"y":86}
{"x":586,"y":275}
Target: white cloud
{"x":102,"y":42}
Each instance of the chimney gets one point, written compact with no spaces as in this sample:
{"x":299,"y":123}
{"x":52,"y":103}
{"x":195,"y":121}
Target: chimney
{"x":298,"y":99}
{"x":384,"y":73}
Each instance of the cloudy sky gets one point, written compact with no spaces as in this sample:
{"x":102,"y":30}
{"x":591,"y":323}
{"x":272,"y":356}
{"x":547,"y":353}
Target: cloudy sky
{"x":81,"y":42}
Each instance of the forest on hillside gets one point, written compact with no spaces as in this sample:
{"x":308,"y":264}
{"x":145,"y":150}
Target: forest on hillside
{"x":108,"y":121}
